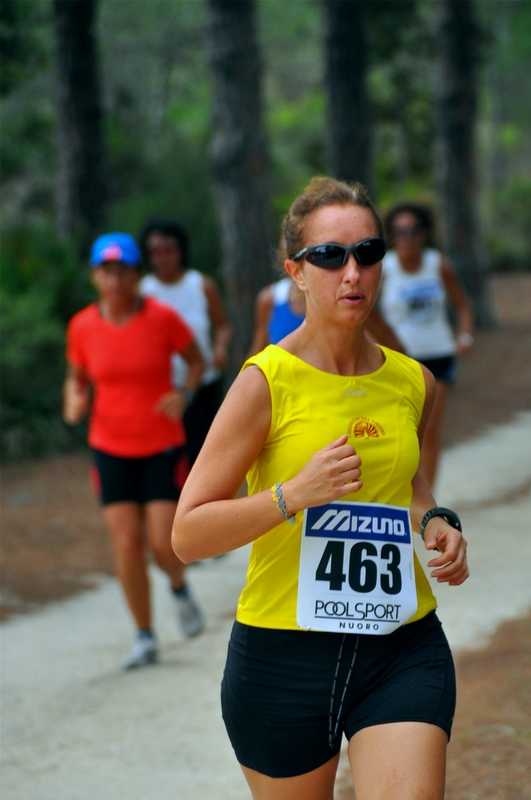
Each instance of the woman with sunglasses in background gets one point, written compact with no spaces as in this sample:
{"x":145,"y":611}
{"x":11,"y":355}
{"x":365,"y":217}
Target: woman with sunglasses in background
{"x":418,"y":288}
{"x":196,"y":298}
{"x":119,"y":349}
{"x":336,"y":631}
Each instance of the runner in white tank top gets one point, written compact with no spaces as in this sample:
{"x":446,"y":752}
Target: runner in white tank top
{"x":414,"y":304}
{"x":418,"y":288}
{"x":196,"y":298}
{"x":187,"y":296}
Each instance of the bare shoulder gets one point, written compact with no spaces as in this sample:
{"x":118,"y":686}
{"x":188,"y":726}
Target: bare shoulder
{"x":245,"y":412}
{"x":249,"y":396}
{"x":264,"y":298}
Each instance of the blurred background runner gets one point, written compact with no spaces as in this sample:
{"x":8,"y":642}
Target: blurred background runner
{"x":419,"y":287}
{"x":119,"y":353}
{"x":196,"y":298}
{"x":279,"y":310}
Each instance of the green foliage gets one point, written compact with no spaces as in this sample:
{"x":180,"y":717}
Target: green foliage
{"x":158,"y":117}
{"x":28,"y":121}
{"x":509,"y":240}
{"x":29,"y":400}
{"x":177,"y":185}
{"x":515,"y":16}
{"x":22,"y":50}
{"x":157,"y":92}
{"x":35,"y":303}
{"x":400,"y":86}
{"x":300,"y":122}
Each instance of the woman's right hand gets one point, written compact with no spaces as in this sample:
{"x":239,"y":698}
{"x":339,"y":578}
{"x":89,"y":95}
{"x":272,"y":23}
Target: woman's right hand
{"x":76,"y":401}
{"x":330,"y":474}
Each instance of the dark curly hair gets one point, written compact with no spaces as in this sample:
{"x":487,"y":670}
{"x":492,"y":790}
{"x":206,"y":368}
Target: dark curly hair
{"x":166,"y":227}
{"x":422,"y":212}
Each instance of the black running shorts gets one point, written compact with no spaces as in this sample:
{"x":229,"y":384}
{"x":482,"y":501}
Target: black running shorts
{"x":443,"y":369}
{"x":199,"y":415}
{"x":139,"y":480}
{"x":288,"y":696}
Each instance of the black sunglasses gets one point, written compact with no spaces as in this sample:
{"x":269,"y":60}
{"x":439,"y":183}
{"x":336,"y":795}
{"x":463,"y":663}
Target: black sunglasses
{"x":334,"y":256}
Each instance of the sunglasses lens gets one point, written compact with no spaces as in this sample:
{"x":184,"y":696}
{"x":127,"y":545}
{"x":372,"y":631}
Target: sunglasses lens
{"x":370,"y":251}
{"x":334,"y":256}
{"x":328,"y":256}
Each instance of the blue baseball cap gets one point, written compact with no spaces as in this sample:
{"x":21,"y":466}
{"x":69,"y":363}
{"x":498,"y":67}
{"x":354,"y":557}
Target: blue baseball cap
{"x":115,"y":247}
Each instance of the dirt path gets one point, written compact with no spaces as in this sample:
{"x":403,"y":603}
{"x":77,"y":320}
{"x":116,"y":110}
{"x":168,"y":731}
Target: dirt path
{"x":490,"y":752}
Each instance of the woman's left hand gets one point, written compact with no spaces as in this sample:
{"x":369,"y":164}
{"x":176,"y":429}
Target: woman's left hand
{"x":172,"y":404}
{"x":451,"y":565}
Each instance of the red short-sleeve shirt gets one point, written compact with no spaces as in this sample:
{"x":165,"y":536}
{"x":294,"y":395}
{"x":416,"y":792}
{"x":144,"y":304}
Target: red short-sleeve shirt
{"x":129,"y":367}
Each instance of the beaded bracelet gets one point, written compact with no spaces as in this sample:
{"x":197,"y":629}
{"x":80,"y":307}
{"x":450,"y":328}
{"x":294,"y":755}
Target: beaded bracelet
{"x":278,"y":499}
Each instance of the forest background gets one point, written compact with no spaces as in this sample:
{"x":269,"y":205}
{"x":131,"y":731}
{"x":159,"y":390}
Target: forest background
{"x":157,"y":123}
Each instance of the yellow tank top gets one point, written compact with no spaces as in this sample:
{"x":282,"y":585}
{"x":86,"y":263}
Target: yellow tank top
{"x":380,"y":412}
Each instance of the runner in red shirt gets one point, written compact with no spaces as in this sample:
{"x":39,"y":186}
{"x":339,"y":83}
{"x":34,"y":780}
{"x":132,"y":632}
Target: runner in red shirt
{"x":119,"y":353}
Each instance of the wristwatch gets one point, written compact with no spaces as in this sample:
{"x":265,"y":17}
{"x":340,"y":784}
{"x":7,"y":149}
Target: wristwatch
{"x":446,"y":513}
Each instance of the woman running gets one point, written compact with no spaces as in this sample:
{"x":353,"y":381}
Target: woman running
{"x":336,"y":631}
{"x":197,"y":299}
{"x":419,"y":286}
{"x":120,"y":348}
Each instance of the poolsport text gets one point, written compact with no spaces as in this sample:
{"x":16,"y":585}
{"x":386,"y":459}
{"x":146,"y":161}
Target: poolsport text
{"x":362,"y":616}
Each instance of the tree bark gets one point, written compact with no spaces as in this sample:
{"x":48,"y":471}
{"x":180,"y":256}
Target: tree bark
{"x":457,"y":39}
{"x":240,"y":161}
{"x":82,"y":189}
{"x":348,"y":114}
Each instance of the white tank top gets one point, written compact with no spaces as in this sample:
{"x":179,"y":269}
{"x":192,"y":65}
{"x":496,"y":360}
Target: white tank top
{"x":186,"y":297}
{"x":414,"y":305}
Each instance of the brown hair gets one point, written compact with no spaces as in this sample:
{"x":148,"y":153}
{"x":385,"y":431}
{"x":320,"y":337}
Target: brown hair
{"x":321,"y":191}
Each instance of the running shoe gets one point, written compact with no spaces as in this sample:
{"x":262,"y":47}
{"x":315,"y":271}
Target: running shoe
{"x":143,"y":652}
{"x":189,"y":615}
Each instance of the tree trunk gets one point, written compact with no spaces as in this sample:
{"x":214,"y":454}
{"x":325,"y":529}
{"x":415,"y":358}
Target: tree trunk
{"x":348,"y":115}
{"x":457,"y":37}
{"x":82,"y":191}
{"x":240,"y":161}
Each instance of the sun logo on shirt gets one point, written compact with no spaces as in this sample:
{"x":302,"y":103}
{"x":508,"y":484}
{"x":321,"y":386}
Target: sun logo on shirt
{"x":364,"y":428}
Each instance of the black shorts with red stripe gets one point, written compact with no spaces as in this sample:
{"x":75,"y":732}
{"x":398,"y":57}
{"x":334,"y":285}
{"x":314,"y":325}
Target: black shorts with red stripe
{"x":139,"y":480}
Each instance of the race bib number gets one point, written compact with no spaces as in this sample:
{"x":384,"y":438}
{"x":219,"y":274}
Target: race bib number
{"x":356,"y":572}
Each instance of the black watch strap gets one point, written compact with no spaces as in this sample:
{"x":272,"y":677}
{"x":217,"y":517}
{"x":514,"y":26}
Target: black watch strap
{"x":446,"y":513}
